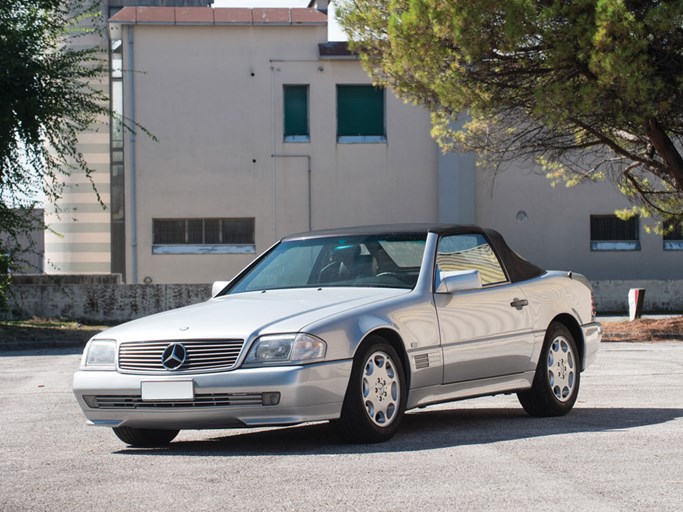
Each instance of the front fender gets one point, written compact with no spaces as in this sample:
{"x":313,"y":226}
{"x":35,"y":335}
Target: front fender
{"x":408,"y":322}
{"x":344,"y":335}
{"x":411,"y":316}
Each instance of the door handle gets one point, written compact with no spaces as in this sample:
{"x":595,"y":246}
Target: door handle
{"x":518,"y":304}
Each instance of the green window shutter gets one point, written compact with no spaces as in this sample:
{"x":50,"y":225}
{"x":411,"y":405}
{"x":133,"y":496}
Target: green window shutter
{"x":296,"y":110}
{"x":360,"y":111}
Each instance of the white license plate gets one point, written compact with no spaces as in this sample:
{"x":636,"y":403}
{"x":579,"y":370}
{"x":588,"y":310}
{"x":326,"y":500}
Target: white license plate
{"x":167,"y":390}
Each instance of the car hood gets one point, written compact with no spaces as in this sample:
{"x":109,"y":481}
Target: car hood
{"x":243,"y":315}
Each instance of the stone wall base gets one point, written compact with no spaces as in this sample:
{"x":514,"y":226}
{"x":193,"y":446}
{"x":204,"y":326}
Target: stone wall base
{"x":96,"y":301}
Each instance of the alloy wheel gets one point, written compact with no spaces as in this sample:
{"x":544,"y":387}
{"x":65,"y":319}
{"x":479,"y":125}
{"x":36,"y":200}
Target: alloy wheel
{"x":561,"y":369}
{"x":381,"y":389}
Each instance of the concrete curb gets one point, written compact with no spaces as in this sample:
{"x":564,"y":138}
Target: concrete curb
{"x":15,"y":346}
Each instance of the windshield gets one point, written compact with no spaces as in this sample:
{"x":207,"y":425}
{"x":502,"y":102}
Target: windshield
{"x":387,"y":261}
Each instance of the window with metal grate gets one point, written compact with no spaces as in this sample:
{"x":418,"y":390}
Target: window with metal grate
{"x":610,"y":233}
{"x":203,"y":236}
{"x":673,"y":236}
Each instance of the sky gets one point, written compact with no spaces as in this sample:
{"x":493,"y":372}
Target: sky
{"x":335,"y":33}
{"x":260,"y":3}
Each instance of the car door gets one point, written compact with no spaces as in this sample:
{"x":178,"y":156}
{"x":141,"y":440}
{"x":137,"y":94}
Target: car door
{"x":485,"y":332}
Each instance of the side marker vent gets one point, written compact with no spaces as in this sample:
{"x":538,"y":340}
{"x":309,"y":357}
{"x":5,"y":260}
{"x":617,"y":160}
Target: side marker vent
{"x":421,"y":361}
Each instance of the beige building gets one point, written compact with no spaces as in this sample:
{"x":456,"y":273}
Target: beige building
{"x":575,"y":228}
{"x":84,"y":234}
{"x":263,"y":128}
{"x":78,"y":240}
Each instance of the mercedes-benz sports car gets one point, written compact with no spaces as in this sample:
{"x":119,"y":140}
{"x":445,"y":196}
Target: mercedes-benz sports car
{"x":354,"y":326}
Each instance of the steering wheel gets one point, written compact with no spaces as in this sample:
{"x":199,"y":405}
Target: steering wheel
{"x":389,"y":274}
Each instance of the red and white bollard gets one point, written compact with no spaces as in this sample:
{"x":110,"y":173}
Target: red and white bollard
{"x":636,"y":297}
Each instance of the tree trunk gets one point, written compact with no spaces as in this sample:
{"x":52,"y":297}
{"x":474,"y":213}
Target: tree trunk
{"x":666,"y":149}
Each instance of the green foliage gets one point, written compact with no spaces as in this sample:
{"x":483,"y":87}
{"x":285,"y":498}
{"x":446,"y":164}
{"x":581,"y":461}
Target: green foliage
{"x":15,"y":243}
{"x":50,"y":68}
{"x":5,"y":280}
{"x":588,"y":89}
{"x":48,"y":82}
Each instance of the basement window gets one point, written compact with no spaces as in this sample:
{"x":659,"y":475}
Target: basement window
{"x":673,"y":238}
{"x":610,"y":233}
{"x":203,"y":236}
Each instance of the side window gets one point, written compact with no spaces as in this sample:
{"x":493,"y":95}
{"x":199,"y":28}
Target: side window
{"x":470,"y":252}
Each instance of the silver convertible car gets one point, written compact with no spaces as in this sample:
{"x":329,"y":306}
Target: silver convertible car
{"x":354,"y":326}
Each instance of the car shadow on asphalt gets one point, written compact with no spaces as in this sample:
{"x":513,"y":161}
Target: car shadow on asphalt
{"x":421,"y":430}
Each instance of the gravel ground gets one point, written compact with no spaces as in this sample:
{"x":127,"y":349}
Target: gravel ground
{"x":621,"y":448}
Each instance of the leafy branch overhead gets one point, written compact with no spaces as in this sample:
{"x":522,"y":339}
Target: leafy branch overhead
{"x":589,"y":89}
{"x":53,"y":87}
{"x":51,"y":92}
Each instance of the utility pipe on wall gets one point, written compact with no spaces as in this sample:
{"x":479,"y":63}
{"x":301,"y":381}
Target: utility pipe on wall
{"x":272,"y":130}
{"x":310,"y":195}
{"x":133,"y":185}
{"x":275,"y":155}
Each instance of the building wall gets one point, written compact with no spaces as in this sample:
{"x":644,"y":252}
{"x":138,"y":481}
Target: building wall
{"x":78,"y":238}
{"x":212,"y":96}
{"x":86,"y":298}
{"x":555,"y":230}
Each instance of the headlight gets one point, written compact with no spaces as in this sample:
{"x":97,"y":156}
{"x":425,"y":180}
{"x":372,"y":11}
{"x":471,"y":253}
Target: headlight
{"x":286,"y":348}
{"x":100,"y":353}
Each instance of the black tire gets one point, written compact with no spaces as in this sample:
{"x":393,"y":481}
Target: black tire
{"x":142,"y":437}
{"x":558,"y":375}
{"x":373,"y":410}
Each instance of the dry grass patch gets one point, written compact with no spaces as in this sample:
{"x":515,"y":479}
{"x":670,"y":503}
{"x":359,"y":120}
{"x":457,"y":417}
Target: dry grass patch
{"x":647,"y":329}
{"x":644,"y":329}
{"x":46,"y":330}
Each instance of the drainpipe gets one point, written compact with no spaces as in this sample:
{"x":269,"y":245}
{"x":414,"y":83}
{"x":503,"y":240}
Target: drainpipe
{"x":273,"y":69}
{"x":274,"y":155}
{"x":131,"y":149}
{"x":310,"y":197}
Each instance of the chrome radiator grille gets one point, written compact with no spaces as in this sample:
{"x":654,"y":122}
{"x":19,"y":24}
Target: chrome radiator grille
{"x":202,"y":355}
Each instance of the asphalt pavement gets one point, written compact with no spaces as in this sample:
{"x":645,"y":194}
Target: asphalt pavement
{"x":621,"y":448}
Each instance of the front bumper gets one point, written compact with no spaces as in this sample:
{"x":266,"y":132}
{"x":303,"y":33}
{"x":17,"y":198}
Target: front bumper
{"x":221,"y":400}
{"x":592,"y":335}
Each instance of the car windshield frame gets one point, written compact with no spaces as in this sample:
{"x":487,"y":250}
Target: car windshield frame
{"x":378,"y":260}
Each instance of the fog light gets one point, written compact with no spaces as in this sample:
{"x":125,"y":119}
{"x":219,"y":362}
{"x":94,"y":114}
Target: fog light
{"x":270,"y":398}
{"x":91,"y":400}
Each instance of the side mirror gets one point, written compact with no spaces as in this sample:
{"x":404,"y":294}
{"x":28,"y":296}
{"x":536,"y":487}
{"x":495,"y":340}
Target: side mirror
{"x":458,"y":281}
{"x":217,"y":287}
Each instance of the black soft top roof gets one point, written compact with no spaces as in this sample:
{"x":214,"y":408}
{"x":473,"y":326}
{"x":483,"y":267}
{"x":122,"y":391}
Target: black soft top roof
{"x":518,"y":268}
